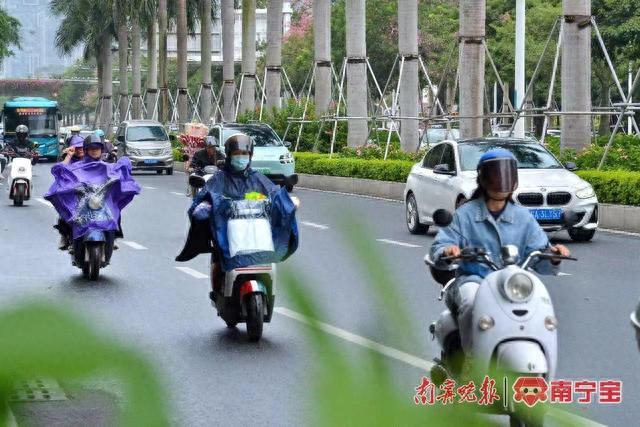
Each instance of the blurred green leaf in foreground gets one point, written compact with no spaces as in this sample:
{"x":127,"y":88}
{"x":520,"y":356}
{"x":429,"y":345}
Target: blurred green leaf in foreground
{"x":41,"y":341}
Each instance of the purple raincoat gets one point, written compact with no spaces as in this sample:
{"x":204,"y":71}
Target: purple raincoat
{"x":89,"y":195}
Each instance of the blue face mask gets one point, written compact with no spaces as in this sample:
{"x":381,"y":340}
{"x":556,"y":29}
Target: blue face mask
{"x":240,"y":163}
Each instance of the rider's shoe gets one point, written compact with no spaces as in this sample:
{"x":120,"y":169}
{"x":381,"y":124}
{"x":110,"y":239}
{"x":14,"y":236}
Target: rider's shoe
{"x":64,"y":243}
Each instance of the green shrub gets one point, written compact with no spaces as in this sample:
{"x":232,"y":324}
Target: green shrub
{"x":321,"y":164}
{"x":618,"y":187}
{"x":624,"y":153}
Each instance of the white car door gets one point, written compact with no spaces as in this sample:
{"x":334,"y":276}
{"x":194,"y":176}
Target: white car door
{"x":445,"y":191}
{"x":427,"y":188}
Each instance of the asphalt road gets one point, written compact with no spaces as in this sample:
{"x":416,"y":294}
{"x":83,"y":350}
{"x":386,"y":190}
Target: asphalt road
{"x":214,"y":376}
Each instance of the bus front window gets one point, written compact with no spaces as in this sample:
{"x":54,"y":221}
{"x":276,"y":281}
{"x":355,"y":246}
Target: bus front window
{"x":40,"y":121}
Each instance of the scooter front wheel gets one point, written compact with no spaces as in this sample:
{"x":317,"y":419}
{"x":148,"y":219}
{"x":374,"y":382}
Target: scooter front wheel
{"x":95,"y":260}
{"x":255,"y":316}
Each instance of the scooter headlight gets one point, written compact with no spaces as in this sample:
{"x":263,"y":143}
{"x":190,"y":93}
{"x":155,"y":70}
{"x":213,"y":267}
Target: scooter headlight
{"x":95,"y":203}
{"x":551,"y":323}
{"x":518,"y":288}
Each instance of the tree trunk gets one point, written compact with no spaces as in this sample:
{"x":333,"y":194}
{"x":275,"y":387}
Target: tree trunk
{"x":322,"y":53}
{"x":162,"y":61}
{"x":136,"y":83}
{"x":471,"y":65}
{"x":576,"y":74}
{"x":409,"y":88}
{"x":248,"y":55}
{"x":356,"y":73}
{"x":274,"y":54}
{"x":123,"y":50}
{"x":181,"y":35}
{"x":205,"y":60}
{"x":99,"y":59}
{"x":152,"y":71}
{"x":107,"y":83}
{"x":228,"y":59}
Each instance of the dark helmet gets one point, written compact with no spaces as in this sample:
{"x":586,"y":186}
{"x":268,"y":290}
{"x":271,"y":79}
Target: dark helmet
{"x":498,"y":171}
{"x":93,"y":140}
{"x":238,"y":141}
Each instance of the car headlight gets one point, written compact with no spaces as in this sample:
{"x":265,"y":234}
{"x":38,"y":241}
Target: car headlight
{"x":518,"y":288}
{"x":286,"y":158}
{"x":485,"y":323}
{"x":585,"y":192}
{"x":167,"y":151}
{"x":133,"y":152}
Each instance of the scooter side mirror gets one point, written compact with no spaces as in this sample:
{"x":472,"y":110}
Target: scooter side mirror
{"x":442,"y":218}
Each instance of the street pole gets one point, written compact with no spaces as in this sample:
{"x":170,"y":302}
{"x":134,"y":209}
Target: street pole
{"x":519,"y":87}
{"x":630,"y":100}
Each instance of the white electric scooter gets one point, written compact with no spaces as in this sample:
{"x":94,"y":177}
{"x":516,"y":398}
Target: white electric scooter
{"x":20,"y":177}
{"x":513,"y":321}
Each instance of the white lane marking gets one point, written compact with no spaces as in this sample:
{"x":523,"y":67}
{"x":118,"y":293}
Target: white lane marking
{"x":134,"y":245}
{"x":314,"y":225}
{"x":395,"y":242}
{"x":44,"y":202}
{"x":564,"y":274}
{"x":176,"y":193}
{"x":396,"y":354}
{"x":624,"y":233}
{"x":193,"y":273}
{"x":350,"y":194}
{"x":357,"y":339}
{"x":149,"y":187}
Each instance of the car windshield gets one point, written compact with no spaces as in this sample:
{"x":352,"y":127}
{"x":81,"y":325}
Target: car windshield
{"x":529,"y":156}
{"x":262,"y":136}
{"x":437,"y":135}
{"x":146,"y":133}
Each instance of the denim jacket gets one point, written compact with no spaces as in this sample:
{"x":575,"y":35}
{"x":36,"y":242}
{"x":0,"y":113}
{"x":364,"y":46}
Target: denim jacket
{"x":515,"y":226}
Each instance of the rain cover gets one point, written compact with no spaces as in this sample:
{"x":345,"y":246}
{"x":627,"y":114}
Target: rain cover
{"x":90,"y":195}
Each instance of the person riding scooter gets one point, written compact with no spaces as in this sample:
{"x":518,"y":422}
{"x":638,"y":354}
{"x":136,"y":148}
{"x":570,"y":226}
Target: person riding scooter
{"x":110,"y":153}
{"x":72,"y":154}
{"x":490,"y":220}
{"x":235,"y":180}
{"x":75,"y":131}
{"x":21,"y":146}
{"x":208,"y":156}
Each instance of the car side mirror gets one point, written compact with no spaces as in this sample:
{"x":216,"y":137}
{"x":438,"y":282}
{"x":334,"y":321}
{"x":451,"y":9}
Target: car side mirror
{"x":571,"y":166}
{"x":442,"y":218}
{"x":443,"y":169}
{"x":120,"y":138}
{"x":287,"y":144}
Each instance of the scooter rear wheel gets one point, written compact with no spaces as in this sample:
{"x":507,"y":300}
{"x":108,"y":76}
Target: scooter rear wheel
{"x":18,"y":195}
{"x":255,"y":316}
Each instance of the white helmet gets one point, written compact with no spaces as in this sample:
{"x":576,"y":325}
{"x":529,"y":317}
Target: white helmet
{"x":22,"y":129}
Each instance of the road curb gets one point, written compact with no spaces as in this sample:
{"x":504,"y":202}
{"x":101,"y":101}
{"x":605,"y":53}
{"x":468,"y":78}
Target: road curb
{"x":615,"y":217}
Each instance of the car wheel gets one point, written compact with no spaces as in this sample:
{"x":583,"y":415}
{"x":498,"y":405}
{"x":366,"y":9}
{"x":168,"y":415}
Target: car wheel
{"x":170,"y":171}
{"x":580,"y":234}
{"x":159,"y":171}
{"x":413,"y":221}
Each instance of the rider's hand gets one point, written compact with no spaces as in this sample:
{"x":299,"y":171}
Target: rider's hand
{"x":559,"y":250}
{"x":453,"y":250}
{"x":71,"y":151}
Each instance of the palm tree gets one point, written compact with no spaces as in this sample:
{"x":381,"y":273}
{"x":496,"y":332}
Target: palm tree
{"x":152,"y":66}
{"x":205,"y":62}
{"x":576,"y":74}
{"x":248,"y":55}
{"x":356,"y":73}
{"x":228,"y":58}
{"x":141,"y":13}
{"x":322,"y":53}
{"x":471,"y":66}
{"x":89,"y":23}
{"x":408,"y":47}
{"x":181,"y":35}
{"x":162,"y":60}
{"x":120,"y":19}
{"x":274,"y":53}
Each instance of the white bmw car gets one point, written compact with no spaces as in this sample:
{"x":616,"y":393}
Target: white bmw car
{"x":446,"y":177}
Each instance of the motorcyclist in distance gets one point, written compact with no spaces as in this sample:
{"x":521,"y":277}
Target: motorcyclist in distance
{"x":490,"y":220}
{"x":22,"y":142}
{"x":75,"y":131}
{"x":208,"y":156}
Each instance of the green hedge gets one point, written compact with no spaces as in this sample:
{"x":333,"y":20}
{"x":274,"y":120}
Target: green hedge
{"x":617,"y":187}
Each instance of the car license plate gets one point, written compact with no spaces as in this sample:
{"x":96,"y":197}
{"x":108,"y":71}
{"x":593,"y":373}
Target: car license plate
{"x":546,"y":214}
{"x":150,"y":162}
